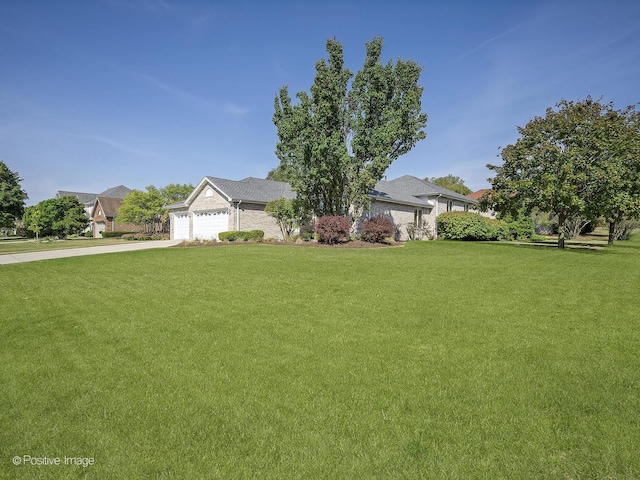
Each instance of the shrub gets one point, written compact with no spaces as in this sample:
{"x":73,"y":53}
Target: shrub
{"x":376,"y":229}
{"x":228,"y":236}
{"x":144,"y":236}
{"x":520,"y":228}
{"x":331,"y":229}
{"x":245,"y":236}
{"x":468,"y":226}
{"x":88,"y":234}
{"x":115,"y":234}
{"x":253,"y":235}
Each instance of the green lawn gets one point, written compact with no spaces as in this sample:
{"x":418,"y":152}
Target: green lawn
{"x":434,"y":360}
{"x":24,"y":246}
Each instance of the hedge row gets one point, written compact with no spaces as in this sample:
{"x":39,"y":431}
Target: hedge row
{"x":473,"y":226}
{"x":116,"y":234}
{"x":243,"y":236}
{"x":145,"y":236}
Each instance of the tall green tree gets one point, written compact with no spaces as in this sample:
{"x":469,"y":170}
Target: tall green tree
{"x":615,"y":193}
{"x":146,"y":208}
{"x":561,"y":162}
{"x":59,"y":217}
{"x":12,"y":197}
{"x":452,"y":182}
{"x":336,"y":142}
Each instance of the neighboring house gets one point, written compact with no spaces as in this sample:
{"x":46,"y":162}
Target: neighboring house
{"x":477,"y":195}
{"x":89,"y":199}
{"x":103,"y":217}
{"x":218,"y":205}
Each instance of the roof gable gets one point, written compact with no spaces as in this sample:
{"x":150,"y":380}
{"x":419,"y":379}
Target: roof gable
{"x":250,"y":190}
{"x":109,"y":206}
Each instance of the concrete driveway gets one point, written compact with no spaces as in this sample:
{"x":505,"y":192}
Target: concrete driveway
{"x":78,"y":252}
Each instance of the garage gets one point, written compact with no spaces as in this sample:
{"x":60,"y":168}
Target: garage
{"x":207,"y":225}
{"x":181,"y":226}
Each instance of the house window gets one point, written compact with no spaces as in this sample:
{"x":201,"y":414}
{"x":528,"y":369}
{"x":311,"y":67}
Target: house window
{"x":208,"y":192}
{"x":417,"y":217}
{"x":466,"y":207}
{"x":449,"y":205}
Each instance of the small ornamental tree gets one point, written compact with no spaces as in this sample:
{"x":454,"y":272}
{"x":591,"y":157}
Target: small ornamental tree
{"x":285,"y":213}
{"x":333,"y":228}
{"x":376,"y":229}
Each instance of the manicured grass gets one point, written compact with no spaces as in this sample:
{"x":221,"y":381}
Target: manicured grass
{"x":24,"y":246}
{"x":435,"y":360}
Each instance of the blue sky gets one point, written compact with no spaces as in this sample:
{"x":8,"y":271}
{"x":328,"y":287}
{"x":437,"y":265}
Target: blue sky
{"x":99,"y":93}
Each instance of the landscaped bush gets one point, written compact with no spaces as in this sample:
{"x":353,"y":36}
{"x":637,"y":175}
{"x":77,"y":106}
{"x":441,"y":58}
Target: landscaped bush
{"x":245,"y":236}
{"x":331,"y":229}
{"x":88,"y":234}
{"x":376,"y":229}
{"x":468,"y":226}
{"x":145,"y":236}
{"x":228,"y":236}
{"x":253,"y":235}
{"x":521,"y":227}
{"x":115,"y":234}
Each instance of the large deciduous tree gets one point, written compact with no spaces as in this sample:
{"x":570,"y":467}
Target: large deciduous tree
{"x":12,"y":197}
{"x":59,"y":217}
{"x":577,"y":161}
{"x":337,"y":142}
{"x":615,"y":192}
{"x":148,"y":208}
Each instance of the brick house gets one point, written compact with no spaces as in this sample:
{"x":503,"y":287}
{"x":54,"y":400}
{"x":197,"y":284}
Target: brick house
{"x":219,"y":205}
{"x":103,"y":217}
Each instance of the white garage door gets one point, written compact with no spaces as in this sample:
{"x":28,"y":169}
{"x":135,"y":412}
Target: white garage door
{"x":207,"y":225}
{"x":181,"y":227}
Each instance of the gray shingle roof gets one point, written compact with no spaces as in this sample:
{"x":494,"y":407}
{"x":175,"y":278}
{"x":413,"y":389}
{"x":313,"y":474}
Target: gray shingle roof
{"x":110,"y":205}
{"x":416,"y":187}
{"x":389,"y":192}
{"x":81,"y":196}
{"x":253,"y":189}
{"x":89,"y":198}
{"x":406,"y":190}
{"x":117,"y":192}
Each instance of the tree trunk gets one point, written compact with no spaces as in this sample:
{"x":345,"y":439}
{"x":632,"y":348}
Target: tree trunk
{"x":612,"y":232}
{"x":561,"y":233}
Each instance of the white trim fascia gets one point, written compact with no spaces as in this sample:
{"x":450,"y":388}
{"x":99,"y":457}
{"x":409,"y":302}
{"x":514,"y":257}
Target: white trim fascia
{"x":205,"y":180}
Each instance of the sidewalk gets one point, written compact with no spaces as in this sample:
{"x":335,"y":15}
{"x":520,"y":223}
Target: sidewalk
{"x":78,"y":252}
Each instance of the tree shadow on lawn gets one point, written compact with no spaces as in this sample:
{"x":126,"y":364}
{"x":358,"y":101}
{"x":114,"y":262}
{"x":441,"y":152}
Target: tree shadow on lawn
{"x":576,"y":246}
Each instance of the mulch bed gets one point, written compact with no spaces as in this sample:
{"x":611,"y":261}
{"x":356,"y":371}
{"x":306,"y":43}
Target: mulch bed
{"x":351,"y":244}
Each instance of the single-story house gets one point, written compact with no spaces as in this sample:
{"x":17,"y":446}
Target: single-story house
{"x":219,"y":205}
{"x":103,"y":217}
